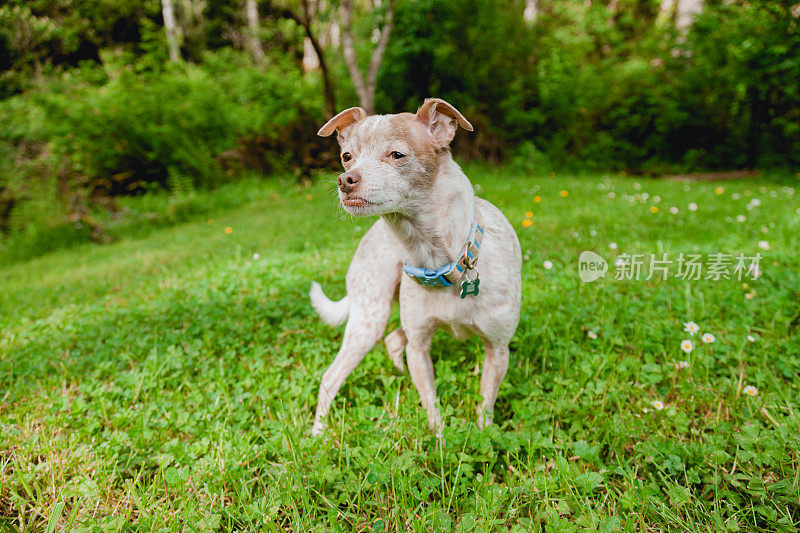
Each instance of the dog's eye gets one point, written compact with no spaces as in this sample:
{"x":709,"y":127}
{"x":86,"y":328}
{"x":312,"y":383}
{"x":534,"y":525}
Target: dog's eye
{"x":397,"y":155}
{"x":347,"y":156}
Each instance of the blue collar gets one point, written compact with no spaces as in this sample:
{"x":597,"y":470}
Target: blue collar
{"x":448,"y":274}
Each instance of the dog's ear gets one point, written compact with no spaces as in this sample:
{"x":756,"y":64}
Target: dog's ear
{"x":342,"y":120}
{"x":441,"y":120}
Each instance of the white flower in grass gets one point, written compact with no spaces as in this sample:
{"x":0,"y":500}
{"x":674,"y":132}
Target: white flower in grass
{"x":764,"y":245}
{"x":687,"y":346}
{"x":658,"y":404}
{"x":256,"y":256}
{"x":750,"y":338}
{"x":612,"y":195}
{"x":692,"y":206}
{"x":592,"y":335}
{"x":755,"y":202}
{"x":708,"y":338}
{"x":593,"y":233}
{"x":691,"y":327}
{"x":750,"y":390}
{"x":548,"y":265}
{"x":674,"y":210}
{"x":741,"y":218}
{"x":612,"y":245}
{"x":682,"y":364}
{"x":735,"y":196}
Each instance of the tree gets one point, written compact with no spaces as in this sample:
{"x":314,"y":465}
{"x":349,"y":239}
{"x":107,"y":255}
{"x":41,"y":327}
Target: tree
{"x":251,"y":13}
{"x":303,"y":15}
{"x":365,"y":89}
{"x":171,"y":28}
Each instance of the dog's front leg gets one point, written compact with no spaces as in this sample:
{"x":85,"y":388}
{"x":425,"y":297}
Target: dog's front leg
{"x":364,"y":329}
{"x":418,"y":359}
{"x":495,"y":365}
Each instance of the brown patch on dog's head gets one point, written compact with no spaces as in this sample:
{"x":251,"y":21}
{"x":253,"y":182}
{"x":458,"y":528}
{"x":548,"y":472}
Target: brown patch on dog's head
{"x":413,"y":134}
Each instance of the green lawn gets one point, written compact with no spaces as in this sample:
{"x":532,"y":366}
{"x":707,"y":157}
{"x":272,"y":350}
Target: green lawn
{"x":169,"y":380}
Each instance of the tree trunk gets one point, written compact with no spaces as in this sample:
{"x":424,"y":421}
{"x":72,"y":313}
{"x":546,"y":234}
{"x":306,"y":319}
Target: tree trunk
{"x":365,"y":89}
{"x":251,"y":12}
{"x":531,"y":11}
{"x":168,"y":12}
{"x":685,"y":11}
{"x":304,"y":21}
{"x":310,"y":59}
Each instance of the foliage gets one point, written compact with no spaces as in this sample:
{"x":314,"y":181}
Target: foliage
{"x":622,"y":89}
{"x":92,"y":109}
{"x":112,"y":132}
{"x":170,"y":378}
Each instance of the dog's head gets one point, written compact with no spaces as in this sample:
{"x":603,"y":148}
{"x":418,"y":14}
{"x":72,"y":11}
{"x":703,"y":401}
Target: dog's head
{"x":391,"y":161}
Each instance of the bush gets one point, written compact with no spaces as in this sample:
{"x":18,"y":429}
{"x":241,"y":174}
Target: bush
{"x":140,"y":130}
{"x":71,"y":145}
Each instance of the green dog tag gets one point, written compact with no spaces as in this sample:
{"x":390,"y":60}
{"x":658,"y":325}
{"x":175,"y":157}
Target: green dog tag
{"x":470,"y":287}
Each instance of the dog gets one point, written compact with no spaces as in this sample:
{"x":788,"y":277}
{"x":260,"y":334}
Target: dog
{"x":451,"y":259}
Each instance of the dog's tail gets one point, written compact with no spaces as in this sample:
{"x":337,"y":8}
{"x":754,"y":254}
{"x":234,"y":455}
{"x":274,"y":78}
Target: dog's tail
{"x":332,"y":313}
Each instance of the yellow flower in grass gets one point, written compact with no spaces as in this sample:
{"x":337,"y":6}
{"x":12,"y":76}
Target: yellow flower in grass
{"x":653,"y":209}
{"x":309,"y":197}
{"x":229,"y":230}
{"x":537,"y":199}
{"x":527,"y":223}
{"x":719,"y":190}
{"x":529,"y":214}
{"x":564,"y":193}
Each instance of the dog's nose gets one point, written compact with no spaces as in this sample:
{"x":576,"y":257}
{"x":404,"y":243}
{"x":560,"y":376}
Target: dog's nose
{"x":348,"y":181}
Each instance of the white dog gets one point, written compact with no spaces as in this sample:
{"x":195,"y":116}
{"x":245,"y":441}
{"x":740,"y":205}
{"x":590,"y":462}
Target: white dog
{"x":452,"y":259}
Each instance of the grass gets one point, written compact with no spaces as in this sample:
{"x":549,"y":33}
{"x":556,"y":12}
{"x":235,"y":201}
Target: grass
{"x":168,"y":380}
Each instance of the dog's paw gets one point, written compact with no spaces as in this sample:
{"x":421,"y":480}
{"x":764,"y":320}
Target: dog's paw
{"x":485,"y":418}
{"x":317,"y":429}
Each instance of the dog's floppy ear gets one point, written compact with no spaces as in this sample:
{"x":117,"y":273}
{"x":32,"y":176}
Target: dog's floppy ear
{"x":342,"y":120}
{"x":441,"y":119}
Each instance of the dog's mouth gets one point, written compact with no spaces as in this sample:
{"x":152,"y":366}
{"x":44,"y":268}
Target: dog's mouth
{"x":355,"y":201}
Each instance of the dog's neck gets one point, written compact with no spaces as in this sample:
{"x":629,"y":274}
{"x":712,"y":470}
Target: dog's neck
{"x":436,"y":232}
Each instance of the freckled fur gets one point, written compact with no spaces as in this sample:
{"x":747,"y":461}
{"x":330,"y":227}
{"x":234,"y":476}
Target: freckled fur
{"x":427,"y":207}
